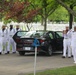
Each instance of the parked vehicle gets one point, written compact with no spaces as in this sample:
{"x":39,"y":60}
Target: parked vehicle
{"x":49,"y":41}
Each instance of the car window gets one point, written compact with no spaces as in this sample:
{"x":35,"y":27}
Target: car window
{"x":37,"y":34}
{"x":51,"y":35}
{"x":28,"y":34}
{"x":20,"y":34}
{"x":60,"y":33}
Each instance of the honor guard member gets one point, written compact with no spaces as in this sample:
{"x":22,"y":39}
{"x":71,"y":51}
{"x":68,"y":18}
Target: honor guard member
{"x":69,"y":34}
{"x":73,"y":43}
{"x":65,"y":43}
{"x":4,"y":39}
{"x":7,"y":41}
{"x":11,"y":32}
{"x":1,"y":41}
{"x":17,"y":29}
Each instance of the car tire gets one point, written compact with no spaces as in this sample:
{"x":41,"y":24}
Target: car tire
{"x":21,"y":53}
{"x":49,"y":52}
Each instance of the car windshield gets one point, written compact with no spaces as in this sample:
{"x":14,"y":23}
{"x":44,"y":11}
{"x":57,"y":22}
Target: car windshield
{"x":33,"y":34}
{"x":21,"y":33}
{"x":28,"y":34}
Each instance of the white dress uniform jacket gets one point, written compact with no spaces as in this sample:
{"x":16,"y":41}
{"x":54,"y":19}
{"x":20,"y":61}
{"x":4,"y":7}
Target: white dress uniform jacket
{"x":15,"y":32}
{"x":73,"y":43}
{"x":11,"y":41}
{"x":1,"y":41}
{"x":4,"y":40}
{"x":69,"y":33}
{"x":65,"y":44}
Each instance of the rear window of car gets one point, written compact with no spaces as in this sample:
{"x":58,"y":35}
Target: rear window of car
{"x":30,"y":33}
{"x":33,"y":34}
{"x":21,"y":33}
{"x":37,"y":34}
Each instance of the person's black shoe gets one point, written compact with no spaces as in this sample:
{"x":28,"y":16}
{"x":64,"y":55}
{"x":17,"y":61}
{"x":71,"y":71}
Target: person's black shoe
{"x":0,"y":53}
{"x":5,"y":53}
{"x":69,"y":57}
{"x":13,"y":52}
{"x":8,"y":52}
{"x":63,"y":56}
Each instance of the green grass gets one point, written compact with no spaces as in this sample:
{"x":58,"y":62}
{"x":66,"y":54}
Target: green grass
{"x":61,"y":71}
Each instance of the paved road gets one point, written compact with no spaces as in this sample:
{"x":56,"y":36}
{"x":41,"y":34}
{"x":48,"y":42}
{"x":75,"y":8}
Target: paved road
{"x":14,"y":64}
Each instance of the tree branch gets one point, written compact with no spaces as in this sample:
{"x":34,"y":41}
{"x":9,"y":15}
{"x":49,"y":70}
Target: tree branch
{"x":67,"y":8}
{"x":51,"y":11}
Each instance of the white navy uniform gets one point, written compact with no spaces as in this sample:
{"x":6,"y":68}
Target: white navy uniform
{"x":1,"y":46}
{"x":73,"y":43}
{"x":4,"y":40}
{"x":10,"y":39}
{"x":15,"y":32}
{"x":65,"y":44}
{"x":69,"y":35}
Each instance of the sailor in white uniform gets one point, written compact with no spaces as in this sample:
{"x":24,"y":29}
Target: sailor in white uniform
{"x":1,"y":42}
{"x":17,"y":29}
{"x":73,"y":43}
{"x":69,"y":34}
{"x":65,"y":43}
{"x":11,"y":32}
{"x":4,"y":39}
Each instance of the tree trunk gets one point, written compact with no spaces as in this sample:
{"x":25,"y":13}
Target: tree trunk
{"x":70,"y":18}
{"x":42,"y":20}
{"x":66,"y":6}
{"x":45,"y":19}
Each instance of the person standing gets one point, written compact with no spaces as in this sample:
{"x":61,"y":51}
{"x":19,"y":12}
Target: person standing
{"x":73,"y":43}
{"x":17,"y":29}
{"x":1,"y":41}
{"x":65,"y":43}
{"x":11,"y":32}
{"x":69,"y":35}
{"x":4,"y":39}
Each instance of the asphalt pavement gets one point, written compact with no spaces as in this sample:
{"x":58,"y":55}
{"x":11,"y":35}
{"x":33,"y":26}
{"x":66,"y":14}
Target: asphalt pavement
{"x":14,"y":64}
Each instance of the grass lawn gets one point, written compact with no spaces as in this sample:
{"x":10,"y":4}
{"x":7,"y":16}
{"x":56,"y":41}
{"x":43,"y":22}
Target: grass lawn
{"x":60,"y":71}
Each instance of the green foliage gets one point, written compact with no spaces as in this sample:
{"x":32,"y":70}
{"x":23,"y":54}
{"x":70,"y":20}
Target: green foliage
{"x":6,"y":21}
{"x":51,"y":6}
{"x":60,"y":14}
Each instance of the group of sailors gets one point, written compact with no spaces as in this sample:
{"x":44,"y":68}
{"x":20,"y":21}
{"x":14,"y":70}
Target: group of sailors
{"x":69,"y":43}
{"x":7,"y":43}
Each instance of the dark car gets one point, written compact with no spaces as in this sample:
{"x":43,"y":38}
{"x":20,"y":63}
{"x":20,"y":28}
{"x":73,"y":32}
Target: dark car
{"x":49,"y":41}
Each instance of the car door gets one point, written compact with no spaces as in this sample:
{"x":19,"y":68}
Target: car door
{"x":52,"y":40}
{"x":59,"y":41}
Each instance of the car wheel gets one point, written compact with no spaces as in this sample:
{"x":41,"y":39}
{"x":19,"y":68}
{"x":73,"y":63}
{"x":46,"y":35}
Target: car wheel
{"x":21,"y":53}
{"x":49,"y":52}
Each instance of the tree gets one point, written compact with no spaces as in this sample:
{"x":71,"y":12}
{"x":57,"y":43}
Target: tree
{"x":71,"y":2}
{"x":48,"y":7}
{"x":69,"y":6}
{"x":59,"y":15}
{"x":26,"y":10}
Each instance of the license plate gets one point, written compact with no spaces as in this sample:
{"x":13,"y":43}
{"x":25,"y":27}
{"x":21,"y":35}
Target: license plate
{"x":27,"y":48}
